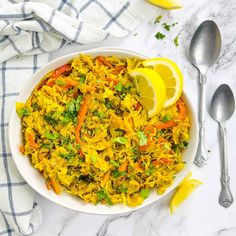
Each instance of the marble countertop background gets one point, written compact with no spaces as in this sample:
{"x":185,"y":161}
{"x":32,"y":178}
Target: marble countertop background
{"x":200,"y":214}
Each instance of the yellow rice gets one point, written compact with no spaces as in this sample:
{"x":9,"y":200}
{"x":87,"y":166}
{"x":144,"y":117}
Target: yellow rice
{"x":113,"y":135}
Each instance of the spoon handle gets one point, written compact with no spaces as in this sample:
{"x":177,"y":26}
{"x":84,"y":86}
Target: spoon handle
{"x":226,"y":198}
{"x":201,"y":157}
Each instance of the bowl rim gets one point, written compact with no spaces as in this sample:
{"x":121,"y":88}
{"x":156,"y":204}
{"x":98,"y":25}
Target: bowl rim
{"x":44,"y":192}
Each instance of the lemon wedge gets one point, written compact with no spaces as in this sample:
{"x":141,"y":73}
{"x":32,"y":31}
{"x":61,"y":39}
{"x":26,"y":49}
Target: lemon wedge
{"x":171,"y":75}
{"x":151,"y":89}
{"x":186,"y":178}
{"x":166,"y":4}
{"x":183,"y":192}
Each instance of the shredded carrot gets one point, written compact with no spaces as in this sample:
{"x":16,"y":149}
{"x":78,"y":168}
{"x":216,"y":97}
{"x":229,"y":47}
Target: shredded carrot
{"x":165,"y":160}
{"x":22,"y":149}
{"x":139,"y":164}
{"x":103,"y":61}
{"x":32,"y":142}
{"x":137,"y":106}
{"x":81,"y":153}
{"x":81,"y":116}
{"x":123,"y":167}
{"x":150,"y":130}
{"x":166,"y":125}
{"x":155,"y":162}
{"x":56,"y":73}
{"x":182,"y":110}
{"x":48,"y":184}
{"x":114,"y":81}
{"x":56,"y":186}
{"x":161,"y":140}
{"x":144,"y":147}
{"x":105,"y":179}
{"x":51,"y":82}
{"x":117,"y":70}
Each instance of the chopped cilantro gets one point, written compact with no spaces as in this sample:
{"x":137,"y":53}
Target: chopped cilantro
{"x":50,"y":120}
{"x":176,"y":41}
{"x":108,"y":104}
{"x":150,"y":170}
{"x":93,"y":158}
{"x":70,"y":147}
{"x":159,"y":36}
{"x":166,"y":26}
{"x":165,"y":118}
{"x":120,"y":140}
{"x":123,"y":189}
{"x":118,"y":87}
{"x":167,"y":146}
{"x":22,"y":112}
{"x":35,"y":106}
{"x":144,"y":193}
{"x":82,"y":78}
{"x":116,"y":164}
{"x":48,"y":146}
{"x":99,"y":114}
{"x":142,"y":138}
{"x":51,"y":136}
{"x":158,"y":19}
{"x":67,"y":156}
{"x":118,"y":174}
{"x":102,"y":194}
{"x":60,"y":82}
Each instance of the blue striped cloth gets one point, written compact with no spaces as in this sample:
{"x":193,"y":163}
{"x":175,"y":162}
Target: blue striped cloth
{"x":28,"y":31}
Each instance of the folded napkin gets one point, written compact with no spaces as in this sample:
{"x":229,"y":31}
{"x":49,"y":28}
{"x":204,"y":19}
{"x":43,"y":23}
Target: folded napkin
{"x":27,"y":29}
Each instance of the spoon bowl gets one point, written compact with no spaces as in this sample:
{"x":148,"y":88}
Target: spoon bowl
{"x":205,"y":45}
{"x":222,"y":103}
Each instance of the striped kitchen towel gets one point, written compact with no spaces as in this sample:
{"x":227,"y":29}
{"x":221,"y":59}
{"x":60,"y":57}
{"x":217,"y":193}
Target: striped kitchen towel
{"x":28,"y":31}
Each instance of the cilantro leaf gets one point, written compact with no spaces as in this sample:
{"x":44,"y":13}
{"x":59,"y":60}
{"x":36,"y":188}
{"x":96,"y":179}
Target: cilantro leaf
{"x":118,"y":87}
{"x":67,"y":156}
{"x":51,"y":136}
{"x":158,"y":19}
{"x":82,"y":78}
{"x":50,"y":120}
{"x":165,"y":118}
{"x":120,"y":140}
{"x":99,"y":114}
{"x":159,"y":36}
{"x":102,"y":194}
{"x":60,"y":82}
{"x":176,"y":41}
{"x":118,"y":174}
{"x":142,"y":138}
{"x":123,"y":189}
{"x":116,"y":164}
{"x":22,"y":112}
{"x":144,"y":193}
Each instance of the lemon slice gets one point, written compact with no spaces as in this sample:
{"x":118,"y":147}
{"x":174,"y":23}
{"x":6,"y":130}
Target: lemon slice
{"x":183,"y":192}
{"x":151,"y":89}
{"x":171,"y":75}
{"x":166,"y":4}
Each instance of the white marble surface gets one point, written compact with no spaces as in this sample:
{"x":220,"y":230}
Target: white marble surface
{"x":200,"y":214}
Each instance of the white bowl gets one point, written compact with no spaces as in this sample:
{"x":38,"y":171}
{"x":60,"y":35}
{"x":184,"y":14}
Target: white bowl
{"x":36,"y":180}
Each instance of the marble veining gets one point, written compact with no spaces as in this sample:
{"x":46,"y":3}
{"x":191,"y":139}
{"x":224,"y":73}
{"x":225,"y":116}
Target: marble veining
{"x":200,"y":214}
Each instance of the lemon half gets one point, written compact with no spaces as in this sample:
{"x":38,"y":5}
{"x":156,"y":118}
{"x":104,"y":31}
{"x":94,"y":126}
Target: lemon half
{"x":171,"y":75}
{"x":166,"y":4}
{"x":151,"y":89}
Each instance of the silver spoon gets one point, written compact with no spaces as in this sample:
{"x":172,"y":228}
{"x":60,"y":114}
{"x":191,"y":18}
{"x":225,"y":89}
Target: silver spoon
{"x":222,"y":108}
{"x":204,"y":50}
